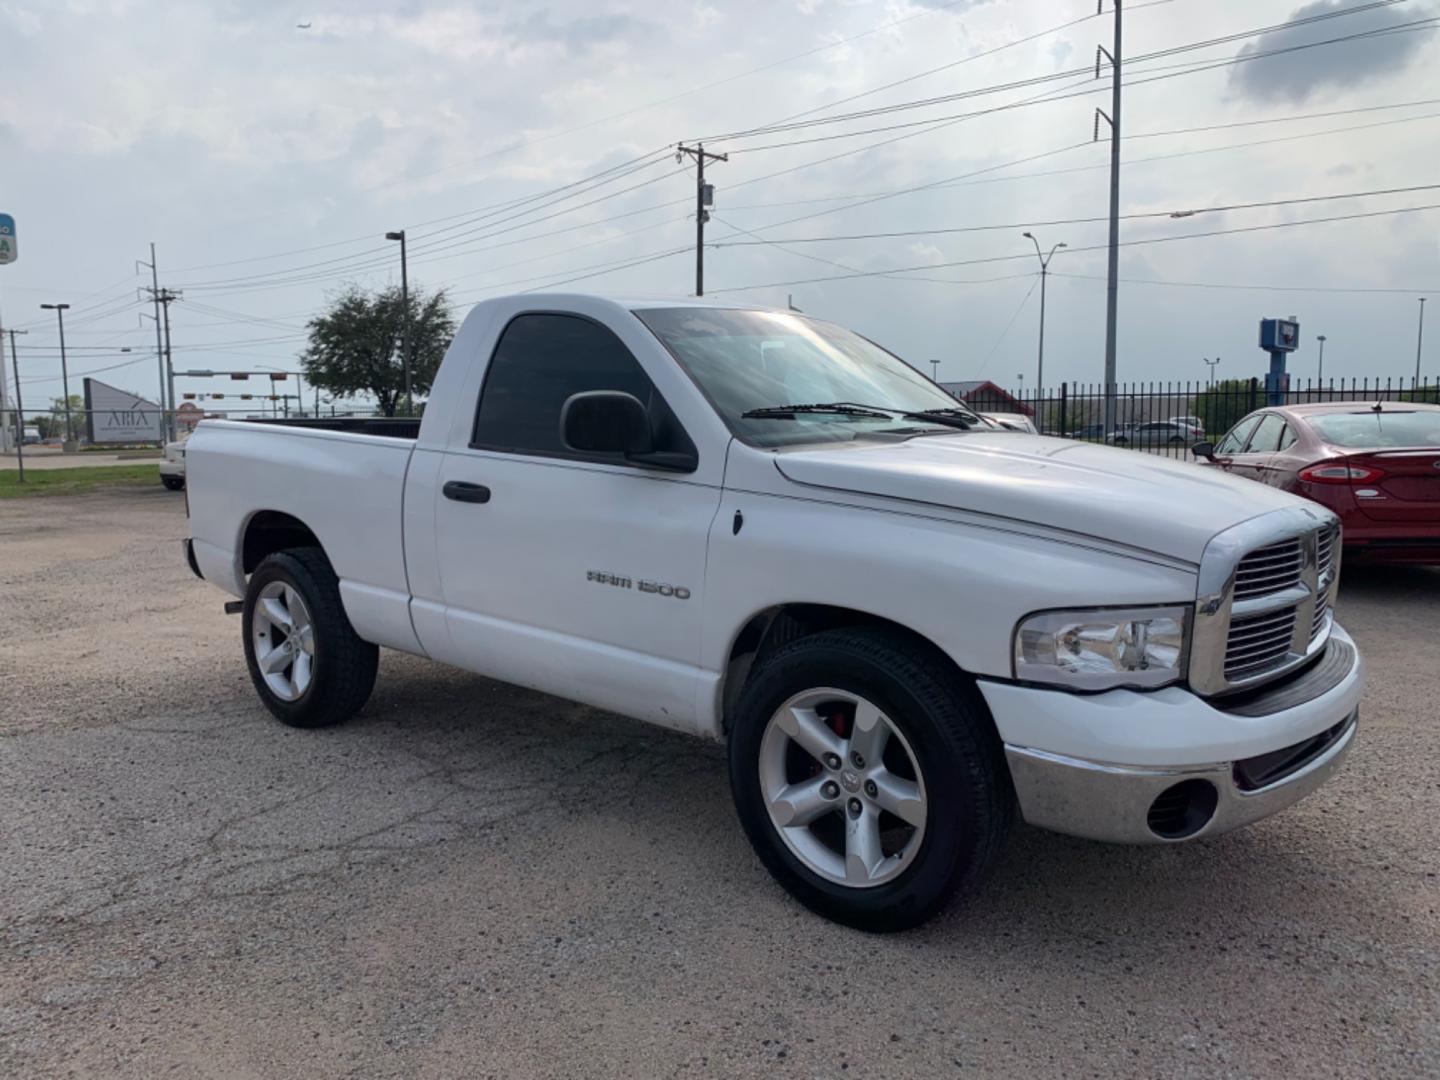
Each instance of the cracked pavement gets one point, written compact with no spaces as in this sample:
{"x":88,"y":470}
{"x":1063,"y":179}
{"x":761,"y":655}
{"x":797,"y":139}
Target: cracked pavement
{"x":474,"y":880}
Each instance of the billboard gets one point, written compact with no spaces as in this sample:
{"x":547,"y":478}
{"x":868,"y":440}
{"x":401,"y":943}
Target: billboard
{"x":113,"y":415}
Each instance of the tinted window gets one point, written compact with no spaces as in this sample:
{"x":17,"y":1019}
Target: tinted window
{"x":1287,"y":438}
{"x":748,"y":360}
{"x":1266,"y":439}
{"x":1232,"y":443}
{"x":1360,"y":430}
{"x":540,"y":361}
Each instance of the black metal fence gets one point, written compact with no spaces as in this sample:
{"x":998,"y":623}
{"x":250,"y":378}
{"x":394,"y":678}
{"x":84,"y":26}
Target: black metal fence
{"x":1167,"y":418}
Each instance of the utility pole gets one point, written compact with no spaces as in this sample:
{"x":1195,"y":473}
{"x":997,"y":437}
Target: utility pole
{"x":1211,"y":365}
{"x":1112,"y":288}
{"x":1419,"y":337}
{"x":1320,"y":373}
{"x":935,"y":371}
{"x":154,"y":291}
{"x":405,"y":318}
{"x":19,"y":405}
{"x":1044,"y":273}
{"x":163,"y":299}
{"x":60,"y":310}
{"x":704,"y":197}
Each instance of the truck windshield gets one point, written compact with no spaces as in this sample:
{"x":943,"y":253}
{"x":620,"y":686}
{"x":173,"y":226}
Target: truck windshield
{"x":753,"y":364}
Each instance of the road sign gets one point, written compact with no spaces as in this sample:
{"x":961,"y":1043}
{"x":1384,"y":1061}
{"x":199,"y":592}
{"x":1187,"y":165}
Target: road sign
{"x":9,"y":250}
{"x":188,"y":414}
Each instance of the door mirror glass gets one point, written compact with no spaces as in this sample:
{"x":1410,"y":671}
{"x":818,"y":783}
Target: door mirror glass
{"x":1204,"y":450}
{"x":605,"y":422}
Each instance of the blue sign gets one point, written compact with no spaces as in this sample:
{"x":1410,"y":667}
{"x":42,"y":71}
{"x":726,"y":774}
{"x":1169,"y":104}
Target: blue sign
{"x":8,"y":249}
{"x":1279,"y":335}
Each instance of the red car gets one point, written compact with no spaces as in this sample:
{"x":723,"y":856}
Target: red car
{"x":1376,"y":465}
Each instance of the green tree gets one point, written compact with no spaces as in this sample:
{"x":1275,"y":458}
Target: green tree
{"x":1224,"y":403}
{"x":355,"y":347}
{"x":53,"y":426}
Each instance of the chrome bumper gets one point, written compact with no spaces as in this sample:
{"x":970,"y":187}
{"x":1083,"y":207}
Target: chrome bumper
{"x":1114,"y":802}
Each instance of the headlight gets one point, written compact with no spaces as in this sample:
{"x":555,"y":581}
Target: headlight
{"x":1101,"y":649}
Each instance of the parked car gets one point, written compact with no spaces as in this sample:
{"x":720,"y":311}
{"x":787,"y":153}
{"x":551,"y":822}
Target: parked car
{"x":761,"y":528}
{"x":1194,"y":423}
{"x":1377,"y":466}
{"x":172,"y":464}
{"x":30,"y":436}
{"x":1089,"y":431}
{"x":1154,"y":433}
{"x":1012,"y":421}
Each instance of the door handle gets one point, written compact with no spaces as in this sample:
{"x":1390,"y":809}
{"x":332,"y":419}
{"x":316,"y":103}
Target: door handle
{"x":464,"y":491}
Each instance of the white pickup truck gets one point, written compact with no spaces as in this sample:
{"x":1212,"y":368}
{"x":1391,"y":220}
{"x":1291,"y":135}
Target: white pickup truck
{"x":905,"y":623}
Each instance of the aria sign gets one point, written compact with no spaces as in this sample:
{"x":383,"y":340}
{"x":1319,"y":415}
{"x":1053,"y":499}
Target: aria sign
{"x":113,"y":415}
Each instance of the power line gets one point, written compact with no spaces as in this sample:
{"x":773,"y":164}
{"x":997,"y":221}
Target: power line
{"x":1254,"y":288}
{"x":1093,"y":247}
{"x":1139,"y":215}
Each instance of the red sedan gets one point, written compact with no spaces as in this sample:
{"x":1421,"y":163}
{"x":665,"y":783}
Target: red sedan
{"x":1376,"y":465}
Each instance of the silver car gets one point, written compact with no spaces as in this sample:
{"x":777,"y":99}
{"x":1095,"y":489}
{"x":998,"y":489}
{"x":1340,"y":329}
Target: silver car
{"x":1156,"y":433}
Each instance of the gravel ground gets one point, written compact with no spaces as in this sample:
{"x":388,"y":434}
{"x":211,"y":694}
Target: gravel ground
{"x":471,"y":880}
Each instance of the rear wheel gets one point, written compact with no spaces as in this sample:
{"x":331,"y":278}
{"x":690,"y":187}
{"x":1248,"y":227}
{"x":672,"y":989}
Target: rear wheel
{"x":306,"y":661}
{"x":173,"y":483}
{"x":868,"y":777}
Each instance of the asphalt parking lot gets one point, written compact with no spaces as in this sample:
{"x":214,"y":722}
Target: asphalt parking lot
{"x":472,"y":880}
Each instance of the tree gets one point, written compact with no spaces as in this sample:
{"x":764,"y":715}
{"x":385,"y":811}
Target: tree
{"x":355,"y":347}
{"x":53,"y":426}
{"x":1220,"y":406}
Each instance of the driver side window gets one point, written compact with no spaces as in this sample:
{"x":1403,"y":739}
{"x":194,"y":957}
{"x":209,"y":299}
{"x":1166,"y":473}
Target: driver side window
{"x":1234,"y":442}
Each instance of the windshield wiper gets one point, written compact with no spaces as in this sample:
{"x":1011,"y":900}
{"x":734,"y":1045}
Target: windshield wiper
{"x":838,"y":408}
{"x":956,"y":418}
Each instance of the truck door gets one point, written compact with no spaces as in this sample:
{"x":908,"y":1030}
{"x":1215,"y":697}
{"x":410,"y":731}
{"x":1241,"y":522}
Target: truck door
{"x":579,"y":573}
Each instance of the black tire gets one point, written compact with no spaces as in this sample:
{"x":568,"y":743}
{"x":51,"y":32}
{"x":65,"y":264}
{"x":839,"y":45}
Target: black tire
{"x":172,"y":483}
{"x":344,"y":666}
{"x":970,"y":801}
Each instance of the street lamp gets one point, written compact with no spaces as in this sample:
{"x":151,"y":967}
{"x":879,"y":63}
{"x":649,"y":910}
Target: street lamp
{"x":1320,"y":372}
{"x":1419,"y":337}
{"x":1044,"y":273}
{"x":405,"y":332}
{"x":935,"y":370}
{"x":60,"y":310}
{"x":1211,"y":365}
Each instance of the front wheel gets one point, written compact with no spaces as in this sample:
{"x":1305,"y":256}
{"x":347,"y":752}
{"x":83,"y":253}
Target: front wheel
{"x":306,"y":661}
{"x":868,"y":777}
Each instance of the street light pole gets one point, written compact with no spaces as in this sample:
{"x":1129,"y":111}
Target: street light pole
{"x":1044,"y":273}
{"x":1419,"y":337}
{"x":1320,"y":371}
{"x":60,"y":310}
{"x":935,"y":370}
{"x":1211,"y":365}
{"x":405,"y":332}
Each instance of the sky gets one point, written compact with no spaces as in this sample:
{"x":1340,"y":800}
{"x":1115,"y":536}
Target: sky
{"x":266,"y":147}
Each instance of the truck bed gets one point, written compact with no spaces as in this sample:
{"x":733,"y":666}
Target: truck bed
{"x":390,"y":427}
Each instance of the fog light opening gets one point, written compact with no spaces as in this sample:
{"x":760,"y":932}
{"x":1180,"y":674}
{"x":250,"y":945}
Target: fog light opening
{"x":1183,"y":809}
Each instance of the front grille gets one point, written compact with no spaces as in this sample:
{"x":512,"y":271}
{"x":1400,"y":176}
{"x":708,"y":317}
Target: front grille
{"x":1270,"y":569}
{"x":1258,"y":642}
{"x":1254,"y":773}
{"x":1325,"y":554}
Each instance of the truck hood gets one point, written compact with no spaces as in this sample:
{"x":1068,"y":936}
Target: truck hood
{"x":1130,"y":497}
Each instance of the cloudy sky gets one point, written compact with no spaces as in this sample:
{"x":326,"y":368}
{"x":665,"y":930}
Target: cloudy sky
{"x":266,"y":162}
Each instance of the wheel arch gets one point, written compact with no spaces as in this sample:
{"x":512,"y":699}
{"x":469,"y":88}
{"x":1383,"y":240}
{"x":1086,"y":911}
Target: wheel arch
{"x":268,"y":531}
{"x":772,"y":627}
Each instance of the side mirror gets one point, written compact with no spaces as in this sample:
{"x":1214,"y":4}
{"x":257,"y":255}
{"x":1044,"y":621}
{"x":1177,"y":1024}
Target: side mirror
{"x":1204,"y":450}
{"x":605,"y":422}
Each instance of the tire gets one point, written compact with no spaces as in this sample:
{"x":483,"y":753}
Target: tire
{"x":338,"y":668}
{"x":945,"y":733}
{"x":172,"y":483}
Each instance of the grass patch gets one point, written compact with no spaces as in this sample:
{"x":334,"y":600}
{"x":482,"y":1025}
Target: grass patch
{"x":74,"y":481}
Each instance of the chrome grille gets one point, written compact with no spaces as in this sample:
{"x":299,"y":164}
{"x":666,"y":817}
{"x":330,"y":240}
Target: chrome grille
{"x":1257,"y":642}
{"x":1325,"y":554}
{"x":1270,"y":569}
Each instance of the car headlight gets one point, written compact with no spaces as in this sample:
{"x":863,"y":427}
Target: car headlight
{"x":1104,"y":648}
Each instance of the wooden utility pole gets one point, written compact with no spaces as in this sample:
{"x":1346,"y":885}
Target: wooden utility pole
{"x":704,"y":197}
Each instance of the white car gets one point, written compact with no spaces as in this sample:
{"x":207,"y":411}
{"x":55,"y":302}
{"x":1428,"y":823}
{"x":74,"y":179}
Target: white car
{"x":172,"y":464}
{"x":906,"y":627}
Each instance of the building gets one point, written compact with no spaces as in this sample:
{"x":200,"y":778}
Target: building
{"x":982,"y":395}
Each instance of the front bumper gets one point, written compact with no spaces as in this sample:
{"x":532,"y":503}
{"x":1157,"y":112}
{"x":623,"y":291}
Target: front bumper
{"x":1166,"y":766}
